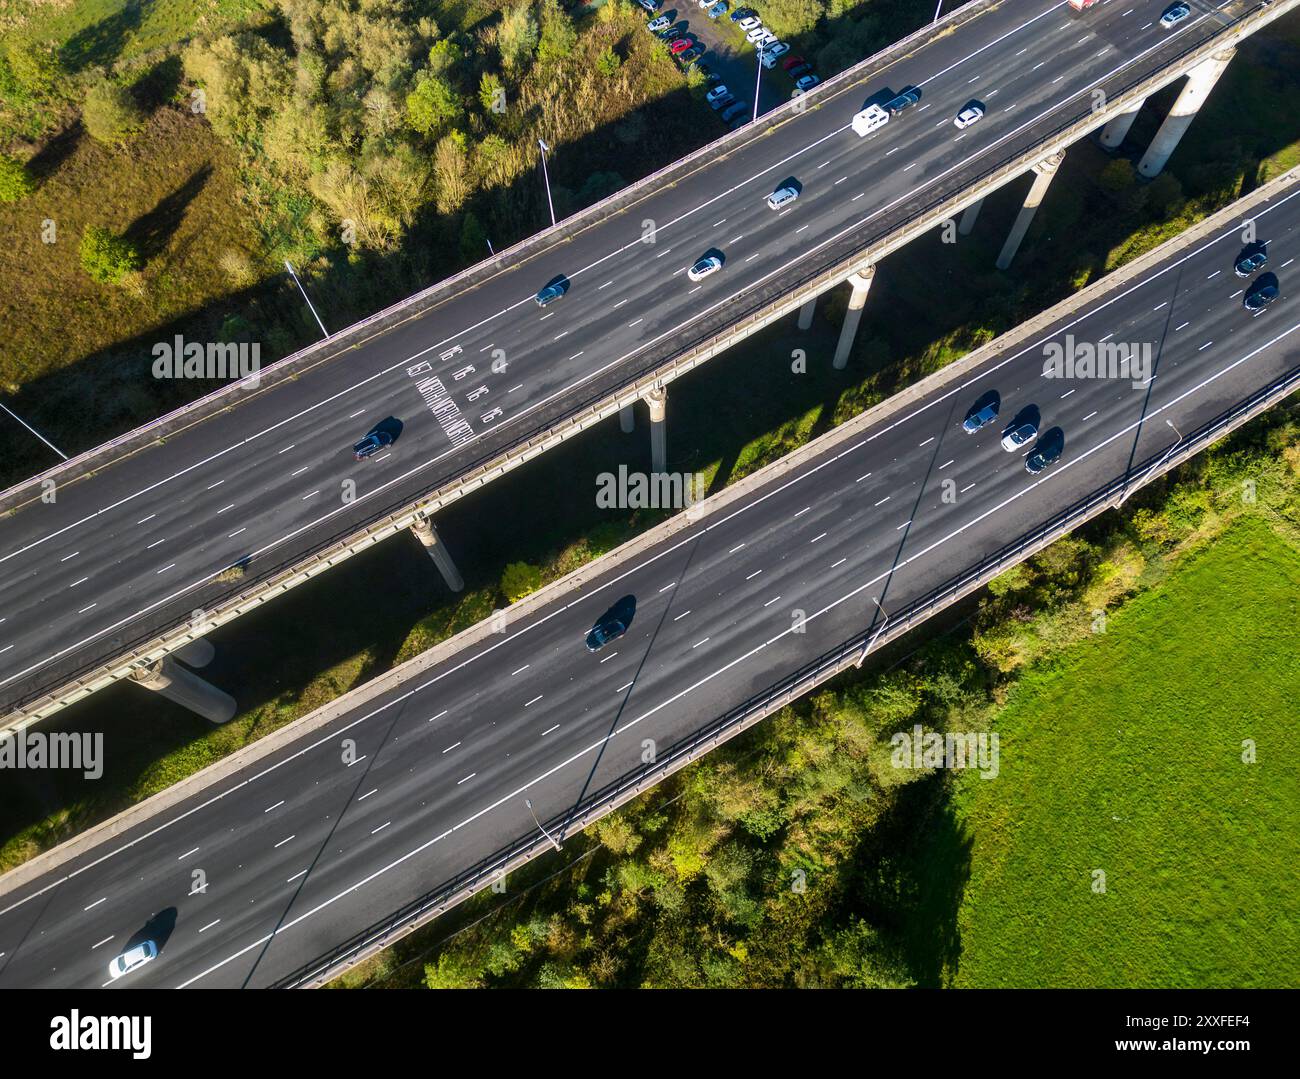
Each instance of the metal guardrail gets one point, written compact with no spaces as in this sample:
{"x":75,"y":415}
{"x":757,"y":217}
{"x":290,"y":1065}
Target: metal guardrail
{"x":409,"y":917}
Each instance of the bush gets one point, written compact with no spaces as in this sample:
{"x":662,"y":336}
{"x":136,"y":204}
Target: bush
{"x":517,"y":35}
{"x":35,"y":67}
{"x":106,"y":256}
{"x":608,"y":63}
{"x":519,"y":580}
{"x":110,"y":113}
{"x":1117,"y":176}
{"x":432,"y":105}
{"x":15,"y":180}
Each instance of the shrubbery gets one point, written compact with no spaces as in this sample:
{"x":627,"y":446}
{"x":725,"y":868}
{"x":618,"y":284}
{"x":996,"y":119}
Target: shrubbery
{"x":106,"y":256}
{"x":16,"y":180}
{"x":110,"y":113}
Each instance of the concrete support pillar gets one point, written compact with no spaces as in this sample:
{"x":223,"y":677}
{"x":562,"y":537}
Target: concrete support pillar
{"x":968,"y":217}
{"x":657,"y":400}
{"x":861,"y":283}
{"x":197,"y":653}
{"x":1115,"y":132}
{"x":1200,"y":81}
{"x":1043,"y":173}
{"x":806,"y":314}
{"x":187,"y":689}
{"x":437,"y":550}
{"x":626,"y":419}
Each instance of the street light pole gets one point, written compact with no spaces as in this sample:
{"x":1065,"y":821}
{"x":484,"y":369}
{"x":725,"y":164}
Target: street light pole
{"x":1125,"y":492}
{"x":555,"y":842}
{"x":874,"y":636}
{"x":547,"y":177}
{"x":938,"y":8}
{"x":758,"y":80}
{"x":288,"y":266}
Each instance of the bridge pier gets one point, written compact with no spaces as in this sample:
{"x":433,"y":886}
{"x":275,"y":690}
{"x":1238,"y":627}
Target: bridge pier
{"x":1115,"y":132}
{"x":968,"y":217}
{"x":806,"y":314}
{"x":626,"y":419}
{"x":861,"y":283}
{"x":1200,"y":81}
{"x":657,"y":401}
{"x":198,"y":653}
{"x":184,"y":687}
{"x":437,"y":550}
{"x":1043,"y":173}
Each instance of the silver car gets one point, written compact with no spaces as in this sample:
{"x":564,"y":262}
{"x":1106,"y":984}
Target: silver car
{"x":782,"y":196}
{"x":1017,"y":435}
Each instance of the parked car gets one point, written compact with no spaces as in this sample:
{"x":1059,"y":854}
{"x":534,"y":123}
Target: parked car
{"x":716,"y":94}
{"x":132,"y":959}
{"x":672,"y":33}
{"x":1174,"y":14}
{"x":782,"y":196}
{"x":980,"y":418}
{"x":735,"y":109}
{"x":722,"y":103}
{"x":742,"y":13}
{"x":770,"y":55}
{"x":750,"y":22}
{"x":765,"y":39}
{"x":717,"y":10}
{"x":372,"y":444}
{"x":651,"y":5}
{"x":971,"y":114}
{"x":661,"y":23}
{"x":680,"y":45}
{"x":1017,"y":435}
{"x":798,"y":70}
{"x":709,"y":264}
{"x":791,"y":62}
{"x":806,"y":82}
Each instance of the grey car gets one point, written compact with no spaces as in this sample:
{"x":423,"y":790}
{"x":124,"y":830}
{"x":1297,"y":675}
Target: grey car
{"x":980,"y":418}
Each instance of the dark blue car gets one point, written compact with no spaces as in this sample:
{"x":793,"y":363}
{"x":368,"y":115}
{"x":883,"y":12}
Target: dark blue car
{"x":371,"y":444}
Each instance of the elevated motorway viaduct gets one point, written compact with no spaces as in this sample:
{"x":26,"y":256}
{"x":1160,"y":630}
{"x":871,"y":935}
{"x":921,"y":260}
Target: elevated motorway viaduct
{"x":340,"y":832}
{"x":115,"y":560}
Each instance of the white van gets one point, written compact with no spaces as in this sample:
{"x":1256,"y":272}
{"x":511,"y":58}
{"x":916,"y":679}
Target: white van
{"x":870,"y":119}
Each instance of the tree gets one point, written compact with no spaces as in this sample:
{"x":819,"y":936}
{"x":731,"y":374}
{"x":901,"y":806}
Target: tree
{"x":451,"y":172}
{"x":16,"y":180}
{"x":558,"y":35}
{"x":432,"y":105}
{"x":106,"y":256}
{"x":517,"y":35}
{"x":1117,"y":176}
{"x":790,"y":18}
{"x":34,"y":66}
{"x":492,"y":93}
{"x":520,"y":579}
{"x":608,"y":63}
{"x":110,"y":113}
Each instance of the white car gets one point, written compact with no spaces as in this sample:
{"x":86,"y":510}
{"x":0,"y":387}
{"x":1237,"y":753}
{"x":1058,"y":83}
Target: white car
{"x":133,"y":959}
{"x":1017,"y":435}
{"x":772,"y":53}
{"x":1174,"y":15}
{"x":716,"y":94}
{"x":661,"y":23}
{"x":757,"y":32}
{"x":765,"y":39}
{"x":782,"y":196}
{"x":750,"y":22}
{"x":971,"y":114}
{"x":709,"y":264}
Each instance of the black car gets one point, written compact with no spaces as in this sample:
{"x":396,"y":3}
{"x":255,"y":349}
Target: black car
{"x":1262,"y":293}
{"x":906,"y":99}
{"x":800,"y":70}
{"x":1040,"y":459}
{"x":604,"y":631}
{"x":372,"y":444}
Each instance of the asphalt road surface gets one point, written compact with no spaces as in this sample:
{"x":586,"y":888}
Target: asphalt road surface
{"x":138,"y":546}
{"x":313,"y":843}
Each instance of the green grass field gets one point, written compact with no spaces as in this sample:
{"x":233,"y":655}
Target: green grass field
{"x":1126,"y":757}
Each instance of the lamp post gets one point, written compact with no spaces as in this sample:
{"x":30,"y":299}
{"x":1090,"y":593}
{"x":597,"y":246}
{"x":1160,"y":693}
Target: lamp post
{"x":288,"y":266}
{"x":874,"y":636}
{"x":1125,"y":492}
{"x":555,"y":842}
{"x":758,"y":80}
{"x":546,"y":176}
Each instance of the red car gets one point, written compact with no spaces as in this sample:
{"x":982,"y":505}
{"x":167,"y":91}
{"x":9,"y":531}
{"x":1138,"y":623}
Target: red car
{"x":794,"y":61}
{"x":680,"y":45}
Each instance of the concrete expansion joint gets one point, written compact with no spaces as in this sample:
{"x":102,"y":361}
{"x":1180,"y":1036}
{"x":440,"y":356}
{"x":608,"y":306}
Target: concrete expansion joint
{"x":1050,"y":163}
